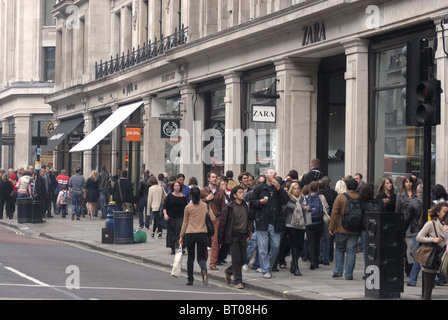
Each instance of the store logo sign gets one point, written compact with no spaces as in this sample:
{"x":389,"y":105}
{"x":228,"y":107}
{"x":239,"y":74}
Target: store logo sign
{"x":264,"y":114}
{"x":170,"y":129}
{"x":134,"y":134}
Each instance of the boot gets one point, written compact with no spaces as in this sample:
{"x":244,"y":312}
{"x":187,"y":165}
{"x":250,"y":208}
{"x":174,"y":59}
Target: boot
{"x":295,"y":262}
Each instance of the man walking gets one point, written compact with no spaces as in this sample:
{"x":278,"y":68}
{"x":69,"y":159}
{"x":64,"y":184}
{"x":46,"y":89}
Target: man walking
{"x":346,"y":241}
{"x":41,"y":190}
{"x":77,"y":187}
{"x":216,"y":198}
{"x":235,"y":229}
{"x":267,"y":200}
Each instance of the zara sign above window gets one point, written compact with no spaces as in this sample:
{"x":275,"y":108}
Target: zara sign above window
{"x":264,"y":114}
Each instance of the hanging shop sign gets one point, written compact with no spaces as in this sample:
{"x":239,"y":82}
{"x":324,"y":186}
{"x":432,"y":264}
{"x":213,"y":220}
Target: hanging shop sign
{"x":133,"y":134}
{"x":170,"y":129}
{"x":264,"y":114}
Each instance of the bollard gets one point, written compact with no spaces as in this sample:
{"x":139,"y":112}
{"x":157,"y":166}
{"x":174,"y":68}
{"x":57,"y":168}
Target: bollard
{"x":37,"y":215}
{"x":123,"y":227}
{"x":24,"y":210}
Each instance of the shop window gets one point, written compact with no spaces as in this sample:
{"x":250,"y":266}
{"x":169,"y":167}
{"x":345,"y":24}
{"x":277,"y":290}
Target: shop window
{"x":398,"y":149}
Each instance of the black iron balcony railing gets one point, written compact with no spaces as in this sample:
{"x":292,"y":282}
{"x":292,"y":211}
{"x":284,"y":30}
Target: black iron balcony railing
{"x":142,"y":54}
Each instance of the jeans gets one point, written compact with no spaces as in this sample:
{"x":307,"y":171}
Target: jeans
{"x":346,"y":245}
{"x":268,"y":247}
{"x":314,"y":233}
{"x":142,"y":204}
{"x":157,"y":221}
{"x":251,"y":248}
{"x":104,"y":201}
{"x":416,"y":267}
{"x":76,"y":203}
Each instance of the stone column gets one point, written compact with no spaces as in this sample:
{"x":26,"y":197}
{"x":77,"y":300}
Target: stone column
{"x":87,"y":155}
{"x":442,"y":129}
{"x":296,"y":114}
{"x":22,"y":147}
{"x":357,"y":107}
{"x":233,"y":149}
{"x":5,"y":149}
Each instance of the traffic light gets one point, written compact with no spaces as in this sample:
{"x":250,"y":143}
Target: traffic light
{"x":422,"y":92}
{"x":428,"y":110}
{"x":127,"y":158}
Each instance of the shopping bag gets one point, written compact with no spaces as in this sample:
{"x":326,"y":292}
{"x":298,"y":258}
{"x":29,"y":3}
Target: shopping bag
{"x":444,"y":266}
{"x":177,"y":265}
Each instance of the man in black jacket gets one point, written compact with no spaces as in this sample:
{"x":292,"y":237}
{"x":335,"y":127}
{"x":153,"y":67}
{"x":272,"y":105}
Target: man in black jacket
{"x":41,"y":191}
{"x":267,"y":200}
{"x":313,"y":175}
{"x":235,"y":229}
{"x":124,"y":193}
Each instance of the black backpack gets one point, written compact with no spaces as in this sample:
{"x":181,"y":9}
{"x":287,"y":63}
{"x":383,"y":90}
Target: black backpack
{"x":353,"y":217}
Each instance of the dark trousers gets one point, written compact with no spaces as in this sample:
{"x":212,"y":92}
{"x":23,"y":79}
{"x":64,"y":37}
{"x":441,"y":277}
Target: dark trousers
{"x":195,"y":241}
{"x":238,"y":253}
{"x":429,"y":280}
{"x":314,"y":233}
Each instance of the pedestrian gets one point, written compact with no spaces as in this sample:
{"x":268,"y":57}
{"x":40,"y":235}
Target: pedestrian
{"x":193,"y":234}
{"x":103,"y":190}
{"x":63,"y":200}
{"x":193,"y":182}
{"x":142,"y":195}
{"x":313,"y":175}
{"x":185,"y":188}
{"x":173,"y":212}
{"x":41,"y":192}
{"x":346,"y":241}
{"x":24,"y":186}
{"x":235,"y":229}
{"x":316,"y":204}
{"x":11,"y":204}
{"x":6,"y":189}
{"x":267,"y":200}
{"x":124,"y":193}
{"x":77,"y":185}
{"x":295,"y":225}
{"x":52,"y":186}
{"x":215,"y":197}
{"x":92,"y":193}
{"x":230,"y":182}
{"x":433,"y":232}
{"x":156,"y":197}
{"x":406,"y":199}
{"x":386,"y":192}
{"x":340,"y":187}
{"x":325,"y":241}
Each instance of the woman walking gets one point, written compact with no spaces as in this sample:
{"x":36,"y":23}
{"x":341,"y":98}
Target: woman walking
{"x":156,"y":196}
{"x":194,"y":234}
{"x":295,"y":226}
{"x":386,"y":192}
{"x":173,"y":211}
{"x":92,"y":193}
{"x":433,"y":232}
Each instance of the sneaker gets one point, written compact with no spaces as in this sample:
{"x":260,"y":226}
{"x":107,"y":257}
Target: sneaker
{"x":239,"y":286}
{"x":258,"y":270}
{"x":159,"y":236}
{"x":246,"y":268}
{"x":267,"y":275}
{"x":152,"y":235}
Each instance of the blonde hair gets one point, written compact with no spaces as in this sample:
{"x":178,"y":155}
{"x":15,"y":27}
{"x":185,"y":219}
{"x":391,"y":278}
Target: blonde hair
{"x":94,"y":174}
{"x":340,"y":187}
{"x":292,"y":188}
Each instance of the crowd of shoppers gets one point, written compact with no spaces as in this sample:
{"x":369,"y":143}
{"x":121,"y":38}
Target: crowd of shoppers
{"x":258,"y":221}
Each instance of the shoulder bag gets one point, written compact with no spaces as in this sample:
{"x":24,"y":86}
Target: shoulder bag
{"x":429,"y":255}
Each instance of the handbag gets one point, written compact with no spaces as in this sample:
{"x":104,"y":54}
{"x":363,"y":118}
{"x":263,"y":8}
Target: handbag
{"x":429,"y":255}
{"x":177,"y":265}
{"x":443,"y":270}
{"x":326,"y":217}
{"x":209,"y":223}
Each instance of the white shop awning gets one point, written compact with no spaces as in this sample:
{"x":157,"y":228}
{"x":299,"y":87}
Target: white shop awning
{"x":106,"y":127}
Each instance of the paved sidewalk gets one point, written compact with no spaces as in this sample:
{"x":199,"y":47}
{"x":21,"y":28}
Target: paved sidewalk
{"x":313,"y":285}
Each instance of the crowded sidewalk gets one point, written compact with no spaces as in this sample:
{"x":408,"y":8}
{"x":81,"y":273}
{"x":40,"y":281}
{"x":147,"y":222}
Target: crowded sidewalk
{"x":315,"y":284}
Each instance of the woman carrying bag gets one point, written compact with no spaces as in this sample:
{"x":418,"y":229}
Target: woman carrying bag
{"x":194,"y":234}
{"x":433,"y":233}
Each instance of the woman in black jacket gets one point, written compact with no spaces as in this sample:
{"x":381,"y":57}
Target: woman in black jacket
{"x":386,"y":193}
{"x":5,"y":193}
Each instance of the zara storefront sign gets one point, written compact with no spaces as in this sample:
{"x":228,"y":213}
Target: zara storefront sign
{"x":264,"y":114}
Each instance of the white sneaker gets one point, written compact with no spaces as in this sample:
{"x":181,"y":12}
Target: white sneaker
{"x":246,"y":268}
{"x":258,"y":270}
{"x":267,"y":275}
